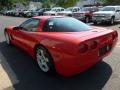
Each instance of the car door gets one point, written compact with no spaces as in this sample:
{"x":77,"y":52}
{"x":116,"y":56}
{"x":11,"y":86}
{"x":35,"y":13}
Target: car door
{"x":24,"y":37}
{"x":117,"y":13}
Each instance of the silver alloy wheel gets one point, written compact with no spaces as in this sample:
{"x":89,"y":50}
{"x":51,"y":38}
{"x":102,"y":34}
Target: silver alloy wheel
{"x":7,"y":38}
{"x":42,"y":60}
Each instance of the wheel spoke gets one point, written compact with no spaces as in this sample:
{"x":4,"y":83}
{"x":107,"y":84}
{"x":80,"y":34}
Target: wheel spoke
{"x":43,"y":55}
{"x":42,"y":60}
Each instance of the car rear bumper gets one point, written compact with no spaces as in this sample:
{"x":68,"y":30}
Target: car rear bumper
{"x":101,"y":19}
{"x":69,"y":65}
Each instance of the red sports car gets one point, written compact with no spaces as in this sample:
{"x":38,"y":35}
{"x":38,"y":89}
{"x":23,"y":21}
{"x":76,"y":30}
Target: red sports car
{"x":63,"y":44}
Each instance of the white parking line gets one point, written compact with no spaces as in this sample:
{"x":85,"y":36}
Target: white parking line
{"x":7,"y":75}
{"x":5,"y":82}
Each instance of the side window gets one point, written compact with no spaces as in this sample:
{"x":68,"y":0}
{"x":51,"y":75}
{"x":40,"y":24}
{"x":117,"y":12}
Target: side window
{"x":75,"y":10}
{"x":58,"y":10}
{"x":95,"y":9}
{"x":30,"y":25}
{"x":62,"y":9}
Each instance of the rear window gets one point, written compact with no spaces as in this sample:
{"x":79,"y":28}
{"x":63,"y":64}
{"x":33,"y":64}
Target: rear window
{"x":89,"y":9}
{"x":64,"y":24}
{"x":86,"y":9}
{"x":108,"y":9}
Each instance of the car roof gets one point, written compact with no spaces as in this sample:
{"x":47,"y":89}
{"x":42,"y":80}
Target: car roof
{"x":112,"y":6}
{"x":57,"y":8}
{"x":91,"y":7}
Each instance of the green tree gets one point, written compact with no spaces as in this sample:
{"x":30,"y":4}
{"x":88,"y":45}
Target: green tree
{"x":11,"y":3}
{"x":67,"y":3}
{"x":109,"y":1}
{"x":62,"y":3}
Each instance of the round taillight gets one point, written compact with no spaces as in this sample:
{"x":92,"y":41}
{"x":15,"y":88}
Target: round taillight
{"x":83,"y":48}
{"x":93,"y":45}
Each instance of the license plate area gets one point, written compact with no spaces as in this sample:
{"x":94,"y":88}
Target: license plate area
{"x":104,"y":50}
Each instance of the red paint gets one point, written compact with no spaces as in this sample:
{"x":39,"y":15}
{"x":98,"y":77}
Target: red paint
{"x":65,"y":46}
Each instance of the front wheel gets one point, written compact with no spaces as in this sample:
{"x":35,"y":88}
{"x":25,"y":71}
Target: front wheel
{"x":44,"y":59}
{"x":112,"y":21}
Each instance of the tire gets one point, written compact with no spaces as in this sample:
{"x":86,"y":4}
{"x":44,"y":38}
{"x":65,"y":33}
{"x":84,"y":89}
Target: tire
{"x":87,"y":19}
{"x":95,"y":23}
{"x":112,"y":21}
{"x":44,"y":60}
{"x":8,"y":39}
{"x":70,"y":15}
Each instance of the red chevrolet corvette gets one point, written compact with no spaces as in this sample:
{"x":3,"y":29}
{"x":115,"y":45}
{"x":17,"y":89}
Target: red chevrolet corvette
{"x":63,"y":44}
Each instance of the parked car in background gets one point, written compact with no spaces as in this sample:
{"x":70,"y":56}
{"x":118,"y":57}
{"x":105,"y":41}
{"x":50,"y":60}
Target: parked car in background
{"x":28,"y":13}
{"x":54,"y":11}
{"x":40,"y":12}
{"x":109,"y":14}
{"x":21,"y":12}
{"x":85,"y":14}
{"x":69,"y":11}
{"x":2,"y":12}
{"x":10,"y":12}
{"x":18,"y":12}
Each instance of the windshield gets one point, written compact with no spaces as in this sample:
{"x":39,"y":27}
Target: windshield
{"x":38,"y":9}
{"x":68,"y":9}
{"x":53,"y":9}
{"x":108,"y":9}
{"x":65,"y":24}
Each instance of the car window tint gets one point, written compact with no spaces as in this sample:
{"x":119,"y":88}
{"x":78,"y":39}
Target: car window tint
{"x":30,"y":25}
{"x":66,"y":24}
{"x":108,"y":9}
{"x":94,"y":9}
{"x":62,"y":9}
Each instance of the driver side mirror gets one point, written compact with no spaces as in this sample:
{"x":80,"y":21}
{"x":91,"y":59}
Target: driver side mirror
{"x":17,"y":28}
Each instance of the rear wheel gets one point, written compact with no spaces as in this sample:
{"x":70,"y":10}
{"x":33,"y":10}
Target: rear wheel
{"x":44,"y":59}
{"x":70,"y":15}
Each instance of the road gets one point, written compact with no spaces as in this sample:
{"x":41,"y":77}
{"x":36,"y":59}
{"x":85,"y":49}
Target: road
{"x":19,"y":72}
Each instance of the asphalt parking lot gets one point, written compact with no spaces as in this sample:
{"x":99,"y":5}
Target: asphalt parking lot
{"x":18,"y":71}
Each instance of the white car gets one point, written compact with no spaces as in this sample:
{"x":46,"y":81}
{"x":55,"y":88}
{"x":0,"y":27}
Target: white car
{"x":109,"y":14}
{"x":54,"y":11}
{"x":69,"y":11}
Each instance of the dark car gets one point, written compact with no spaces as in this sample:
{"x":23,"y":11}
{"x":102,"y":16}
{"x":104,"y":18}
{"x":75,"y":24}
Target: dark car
{"x":10,"y":12}
{"x":85,"y":14}
{"x":40,"y":12}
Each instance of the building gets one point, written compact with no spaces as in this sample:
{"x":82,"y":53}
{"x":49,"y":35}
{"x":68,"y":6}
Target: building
{"x":89,"y":2}
{"x":35,"y":5}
